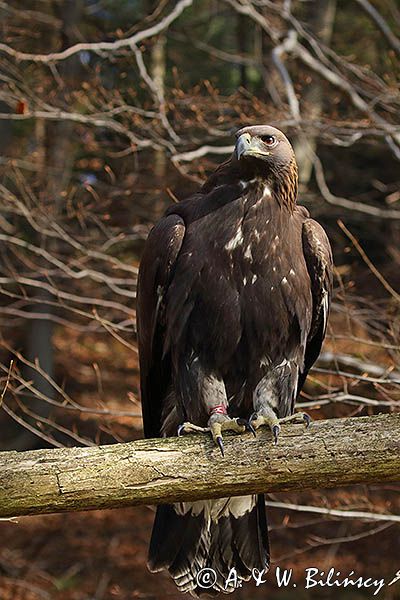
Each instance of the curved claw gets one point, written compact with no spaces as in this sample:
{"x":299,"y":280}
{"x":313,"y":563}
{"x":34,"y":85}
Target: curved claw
{"x":220,"y":443}
{"x":247,"y":425}
{"x":181,"y":430}
{"x":275,"y":432}
{"x":253,"y":417}
{"x":250,"y":427}
{"x":307,"y":419}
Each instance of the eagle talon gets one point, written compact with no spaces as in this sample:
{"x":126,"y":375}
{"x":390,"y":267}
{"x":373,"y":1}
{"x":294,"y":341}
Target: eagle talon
{"x":249,"y":426}
{"x":267,"y":417}
{"x":301,"y":417}
{"x":253,"y":417}
{"x":220,"y":444}
{"x":270,"y":419}
{"x":190,"y":428}
{"x":218,"y":423}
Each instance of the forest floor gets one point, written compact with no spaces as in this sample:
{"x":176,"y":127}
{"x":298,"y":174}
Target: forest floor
{"x":101,"y":555}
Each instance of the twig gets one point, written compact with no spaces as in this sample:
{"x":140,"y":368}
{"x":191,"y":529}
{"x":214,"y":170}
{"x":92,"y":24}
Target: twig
{"x":202,"y":151}
{"x":345,"y":202}
{"x":368,"y":262}
{"x":383,"y":26}
{"x":287,"y":45}
{"x":333,"y":512}
{"x":3,"y":393}
{"x":108,"y":47}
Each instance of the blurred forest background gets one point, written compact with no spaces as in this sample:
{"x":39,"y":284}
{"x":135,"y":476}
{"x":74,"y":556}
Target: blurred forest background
{"x":110,"y":110}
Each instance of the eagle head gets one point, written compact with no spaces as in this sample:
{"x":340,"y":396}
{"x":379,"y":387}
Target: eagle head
{"x":265,"y":152}
{"x":263,"y":143}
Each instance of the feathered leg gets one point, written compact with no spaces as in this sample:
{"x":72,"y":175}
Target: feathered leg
{"x":215,"y":403}
{"x":273,"y":399}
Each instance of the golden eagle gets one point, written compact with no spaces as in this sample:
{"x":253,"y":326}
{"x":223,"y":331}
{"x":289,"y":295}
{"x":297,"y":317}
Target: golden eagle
{"x":233,"y":299}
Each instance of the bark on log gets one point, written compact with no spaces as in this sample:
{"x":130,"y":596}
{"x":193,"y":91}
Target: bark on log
{"x":327,"y":454}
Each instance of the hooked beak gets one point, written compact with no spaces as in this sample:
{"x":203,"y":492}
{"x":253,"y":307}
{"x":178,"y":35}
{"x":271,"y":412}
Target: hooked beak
{"x":246,"y":145}
{"x":243,"y":144}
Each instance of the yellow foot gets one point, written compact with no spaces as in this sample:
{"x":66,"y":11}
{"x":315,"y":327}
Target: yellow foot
{"x":269,"y":418}
{"x":218,"y":423}
{"x":191,"y":428}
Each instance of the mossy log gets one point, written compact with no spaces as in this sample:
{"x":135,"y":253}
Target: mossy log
{"x":327,"y":454}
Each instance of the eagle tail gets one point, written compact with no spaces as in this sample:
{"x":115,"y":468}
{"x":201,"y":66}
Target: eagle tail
{"x":203,"y":541}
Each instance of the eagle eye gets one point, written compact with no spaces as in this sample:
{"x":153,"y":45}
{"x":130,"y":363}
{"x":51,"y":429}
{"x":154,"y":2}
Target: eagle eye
{"x":269,"y":140}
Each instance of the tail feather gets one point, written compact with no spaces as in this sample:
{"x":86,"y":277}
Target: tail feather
{"x":172,"y":535}
{"x":215,"y":534}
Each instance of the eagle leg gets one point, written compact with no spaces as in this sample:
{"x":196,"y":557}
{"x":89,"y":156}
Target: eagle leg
{"x":218,"y":423}
{"x":215,"y":403}
{"x":267,"y":416}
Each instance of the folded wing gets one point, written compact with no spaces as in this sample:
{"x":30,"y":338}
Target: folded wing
{"x":155,"y":274}
{"x":318,"y":256}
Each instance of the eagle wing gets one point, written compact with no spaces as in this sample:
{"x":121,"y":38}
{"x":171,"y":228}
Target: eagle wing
{"x":156,"y":270}
{"x":318,"y":256}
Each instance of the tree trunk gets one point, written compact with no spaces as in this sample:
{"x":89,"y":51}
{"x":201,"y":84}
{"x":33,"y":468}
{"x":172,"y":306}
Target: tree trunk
{"x":320,"y":22}
{"x":54,"y":142}
{"x":241,"y":37}
{"x":158,"y":66}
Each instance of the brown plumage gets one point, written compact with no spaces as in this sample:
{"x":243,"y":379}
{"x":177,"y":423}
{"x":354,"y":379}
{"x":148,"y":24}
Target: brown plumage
{"x":233,"y":299}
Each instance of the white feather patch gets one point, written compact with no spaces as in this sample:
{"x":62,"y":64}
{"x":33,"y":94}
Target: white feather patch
{"x":236,"y":241}
{"x":248,"y":254}
{"x":218,"y":508}
{"x":267,"y":192}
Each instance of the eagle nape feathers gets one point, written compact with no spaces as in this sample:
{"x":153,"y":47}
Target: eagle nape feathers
{"x":233,"y":298}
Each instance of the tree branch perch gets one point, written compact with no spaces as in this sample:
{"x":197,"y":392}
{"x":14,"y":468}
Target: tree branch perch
{"x":328,"y":454}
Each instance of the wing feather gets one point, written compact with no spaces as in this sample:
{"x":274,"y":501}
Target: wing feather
{"x":156,"y":270}
{"x":318,"y":256}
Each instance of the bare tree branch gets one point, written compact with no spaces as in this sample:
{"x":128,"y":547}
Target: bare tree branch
{"x":101,"y":47}
{"x":382,"y":24}
{"x":330,"y":453}
{"x":333,"y":512}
